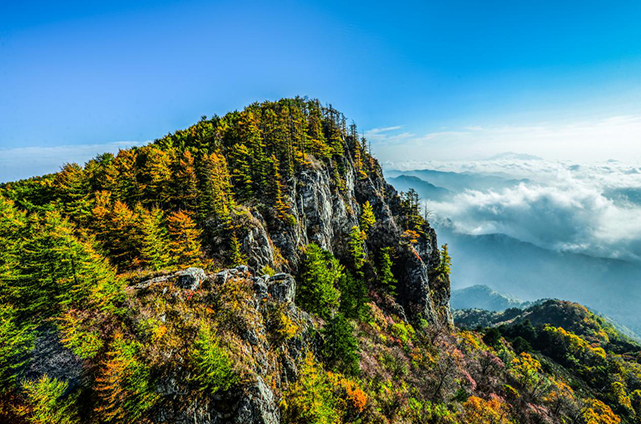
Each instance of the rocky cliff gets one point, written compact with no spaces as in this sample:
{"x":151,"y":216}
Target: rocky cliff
{"x":325,"y":214}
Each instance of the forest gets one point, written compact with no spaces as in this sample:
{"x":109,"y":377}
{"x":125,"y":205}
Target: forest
{"x":89,"y":258}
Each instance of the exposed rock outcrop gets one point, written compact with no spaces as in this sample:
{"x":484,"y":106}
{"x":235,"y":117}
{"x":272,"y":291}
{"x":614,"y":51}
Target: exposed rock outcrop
{"x":324,"y":213}
{"x":265,"y":350}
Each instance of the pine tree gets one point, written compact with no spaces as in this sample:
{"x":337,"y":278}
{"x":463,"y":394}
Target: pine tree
{"x":242,"y":173}
{"x":158,"y":173}
{"x":127,"y":188}
{"x":252,"y":137}
{"x":123,"y":385}
{"x":353,"y":303}
{"x":355,"y":245}
{"x":340,"y":346}
{"x":72,"y":185}
{"x":16,"y":341}
{"x":386,"y":277}
{"x":237,"y":257}
{"x":214,"y":367}
{"x":184,"y":244}
{"x":185,"y":193}
{"x":154,"y":240}
{"x":275,"y":189}
{"x":445,"y":265}
{"x":216,"y":191}
{"x":367,"y":217}
{"x":317,"y":143}
{"x":47,"y":402}
{"x":120,"y":239}
{"x":320,"y":274}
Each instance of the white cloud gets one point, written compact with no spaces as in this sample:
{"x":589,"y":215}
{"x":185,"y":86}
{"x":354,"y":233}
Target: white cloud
{"x":25,"y":162}
{"x":616,"y":137}
{"x":589,"y":208}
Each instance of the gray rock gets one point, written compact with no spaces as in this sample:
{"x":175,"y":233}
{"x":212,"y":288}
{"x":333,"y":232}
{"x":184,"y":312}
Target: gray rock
{"x":191,"y":278}
{"x":50,"y":357}
{"x":258,"y":406}
{"x":282,"y":288}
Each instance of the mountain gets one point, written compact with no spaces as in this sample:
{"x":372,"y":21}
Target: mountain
{"x":483,"y":297}
{"x":529,"y":272}
{"x":570,"y":316}
{"x":258,"y":268}
{"x":457,"y":182}
{"x":424,"y":188}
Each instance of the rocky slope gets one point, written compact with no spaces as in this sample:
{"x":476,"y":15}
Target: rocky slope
{"x":325,"y":215}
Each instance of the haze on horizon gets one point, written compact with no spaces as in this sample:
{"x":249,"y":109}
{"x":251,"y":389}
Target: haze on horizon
{"x":459,"y":80}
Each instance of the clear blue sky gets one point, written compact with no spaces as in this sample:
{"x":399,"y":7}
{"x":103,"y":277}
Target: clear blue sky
{"x":96,"y":72}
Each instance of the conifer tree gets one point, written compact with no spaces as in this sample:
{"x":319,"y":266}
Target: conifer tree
{"x":275,"y":189}
{"x":46,"y":402}
{"x":158,"y":173}
{"x":320,"y":274}
{"x":121,"y":236}
{"x":317,"y":143}
{"x":340,"y":347}
{"x":216,"y":191}
{"x":128,"y":188}
{"x":367,"y":217}
{"x":123,"y":385}
{"x":355,"y":245}
{"x":186,"y":183}
{"x":386,"y":277}
{"x":242,"y":173}
{"x":215,"y":369}
{"x":237,"y":257}
{"x":252,"y":137}
{"x":184,"y":244}
{"x":154,"y":240}
{"x":72,"y":185}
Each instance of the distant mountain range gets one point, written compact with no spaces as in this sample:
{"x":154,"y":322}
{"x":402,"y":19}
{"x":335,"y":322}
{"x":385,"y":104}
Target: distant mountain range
{"x":455,"y":182}
{"x":483,"y":297}
{"x":525,"y":270}
{"x":423,"y":188}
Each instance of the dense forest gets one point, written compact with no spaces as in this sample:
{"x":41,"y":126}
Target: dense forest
{"x":177,"y":282}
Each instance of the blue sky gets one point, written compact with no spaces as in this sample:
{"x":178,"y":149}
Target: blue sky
{"x":95,"y":73}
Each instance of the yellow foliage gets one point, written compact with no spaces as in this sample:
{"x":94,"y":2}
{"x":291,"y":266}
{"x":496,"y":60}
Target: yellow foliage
{"x":597,"y":412}
{"x":481,"y":411}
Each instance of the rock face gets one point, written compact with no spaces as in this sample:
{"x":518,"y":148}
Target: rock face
{"x":325,"y":213}
{"x":272,"y":357}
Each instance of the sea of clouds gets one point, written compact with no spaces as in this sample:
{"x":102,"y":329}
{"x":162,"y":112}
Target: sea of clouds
{"x":591,"y":208}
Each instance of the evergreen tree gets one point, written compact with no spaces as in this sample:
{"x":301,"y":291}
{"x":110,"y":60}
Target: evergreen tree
{"x":340,"y":347}
{"x":353,"y":300}
{"x":123,"y":385}
{"x":237,"y":257}
{"x":386,"y":277}
{"x":72,"y":185}
{"x":319,"y":276}
{"x":445,"y":265}
{"x":47,"y":402}
{"x":214,"y":368}
{"x":186,"y":183}
{"x":184,"y":244}
{"x":154,"y":240}
{"x":121,"y":236}
{"x":275,"y":189}
{"x":355,"y":245}
{"x":158,"y":173}
{"x":242,"y":173}
{"x":127,"y":188}
{"x":367,"y":217}
{"x":216,"y":192}
{"x":252,"y":137}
